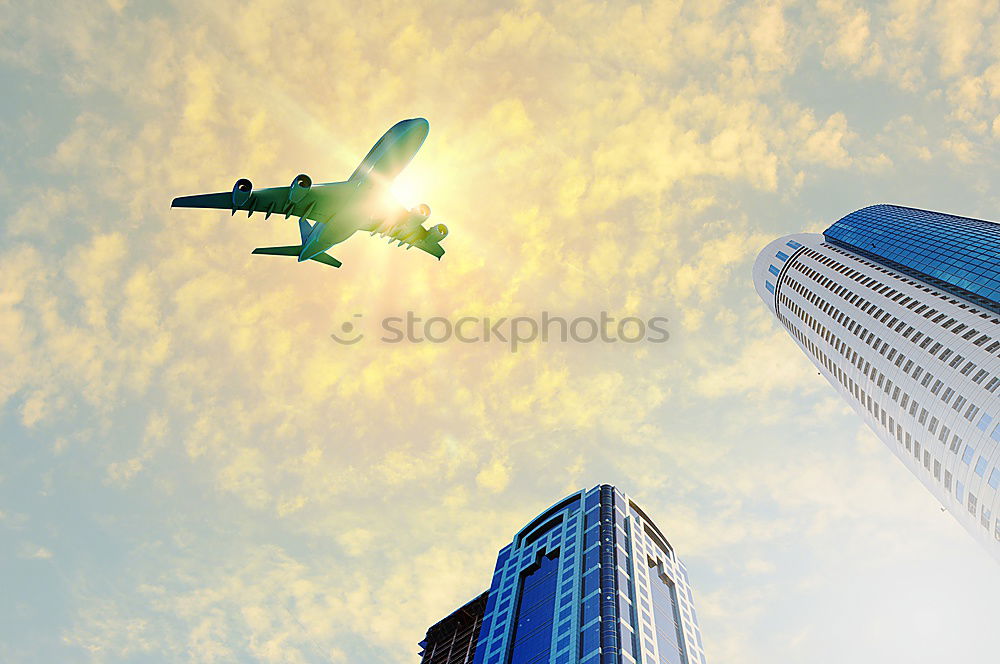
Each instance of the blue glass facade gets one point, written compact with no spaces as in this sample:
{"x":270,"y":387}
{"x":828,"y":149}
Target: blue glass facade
{"x":956,"y":254}
{"x":575,"y":587}
{"x":531,"y":642}
{"x":553,"y":539}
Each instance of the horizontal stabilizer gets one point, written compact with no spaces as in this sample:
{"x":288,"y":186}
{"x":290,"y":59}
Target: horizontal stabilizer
{"x":326,"y":259}
{"x":293,"y":250}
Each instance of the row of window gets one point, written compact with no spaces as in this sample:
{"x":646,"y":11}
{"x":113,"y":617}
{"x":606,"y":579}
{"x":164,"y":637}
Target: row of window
{"x":879,"y":415}
{"x":906,"y":280}
{"x":880,"y":380}
{"x":884,"y":318}
{"x":661,"y":606}
{"x":881,"y":317}
{"x":892,"y":355}
{"x":637,"y":617}
{"x":932,"y":464}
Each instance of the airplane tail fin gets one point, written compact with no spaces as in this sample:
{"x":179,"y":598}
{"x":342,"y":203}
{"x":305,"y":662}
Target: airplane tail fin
{"x":295,"y":250}
{"x":305,"y":228}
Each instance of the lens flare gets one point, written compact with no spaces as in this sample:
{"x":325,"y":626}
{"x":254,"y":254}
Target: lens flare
{"x":407,"y":190}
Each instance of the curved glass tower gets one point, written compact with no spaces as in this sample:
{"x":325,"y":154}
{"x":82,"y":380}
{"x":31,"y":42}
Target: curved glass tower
{"x":899,"y":309}
{"x":590,"y":580}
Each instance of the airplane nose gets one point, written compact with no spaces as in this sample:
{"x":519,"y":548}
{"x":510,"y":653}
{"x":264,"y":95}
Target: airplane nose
{"x":418,"y":127}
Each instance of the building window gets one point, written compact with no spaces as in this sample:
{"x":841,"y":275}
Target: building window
{"x":981,"y":466}
{"x":984,"y":422}
{"x":532,"y":637}
{"x":666,"y":618}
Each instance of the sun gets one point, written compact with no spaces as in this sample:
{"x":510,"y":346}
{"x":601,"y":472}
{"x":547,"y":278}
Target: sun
{"x":408,"y":189}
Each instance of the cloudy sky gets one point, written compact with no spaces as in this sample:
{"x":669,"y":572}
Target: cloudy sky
{"x":191,"y":469}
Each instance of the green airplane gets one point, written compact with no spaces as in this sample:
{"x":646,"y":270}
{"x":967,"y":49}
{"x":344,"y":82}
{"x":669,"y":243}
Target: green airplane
{"x":339,"y":209}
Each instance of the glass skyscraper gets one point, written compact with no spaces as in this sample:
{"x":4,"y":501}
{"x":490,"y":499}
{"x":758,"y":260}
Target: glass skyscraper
{"x":591,"y":580}
{"x":899,"y":309}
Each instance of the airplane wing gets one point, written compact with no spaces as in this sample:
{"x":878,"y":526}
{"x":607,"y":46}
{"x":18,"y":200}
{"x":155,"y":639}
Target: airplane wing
{"x":407,"y":230}
{"x":425,"y":243}
{"x":319,"y":204}
{"x":433,"y":248}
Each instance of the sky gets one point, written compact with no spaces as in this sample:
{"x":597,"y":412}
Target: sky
{"x":193,"y":470}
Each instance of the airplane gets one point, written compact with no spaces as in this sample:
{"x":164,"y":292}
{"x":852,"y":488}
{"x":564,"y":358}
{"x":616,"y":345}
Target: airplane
{"x":339,"y":209}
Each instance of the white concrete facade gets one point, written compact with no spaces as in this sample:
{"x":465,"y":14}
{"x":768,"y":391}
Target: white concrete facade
{"x":921,"y":366}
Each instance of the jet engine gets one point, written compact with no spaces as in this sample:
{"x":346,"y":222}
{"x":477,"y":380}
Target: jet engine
{"x":241,"y":192}
{"x":422,"y":211}
{"x":299,"y":187}
{"x":437,"y":233}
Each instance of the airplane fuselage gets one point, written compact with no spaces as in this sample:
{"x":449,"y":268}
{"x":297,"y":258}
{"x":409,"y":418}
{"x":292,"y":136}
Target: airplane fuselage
{"x":390,"y":154}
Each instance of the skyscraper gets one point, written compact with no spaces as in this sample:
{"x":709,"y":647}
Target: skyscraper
{"x":591,"y":580}
{"x":900,"y":310}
